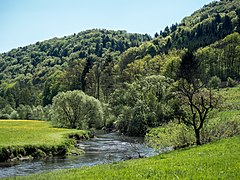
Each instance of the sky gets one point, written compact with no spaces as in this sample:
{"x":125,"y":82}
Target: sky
{"x":24,"y":22}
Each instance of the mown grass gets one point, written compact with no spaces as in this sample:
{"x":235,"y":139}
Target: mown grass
{"x":218,"y":160}
{"x":36,"y":139}
{"x":25,"y":132}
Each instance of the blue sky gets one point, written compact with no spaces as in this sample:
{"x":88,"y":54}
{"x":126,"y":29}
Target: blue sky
{"x":25,"y":22}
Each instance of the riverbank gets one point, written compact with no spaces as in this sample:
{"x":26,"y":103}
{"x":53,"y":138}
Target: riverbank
{"x":31,"y":139}
{"x":218,"y":160}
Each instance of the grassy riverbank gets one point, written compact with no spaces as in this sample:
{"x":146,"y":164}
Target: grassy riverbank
{"x":218,"y":160}
{"x":20,"y":138}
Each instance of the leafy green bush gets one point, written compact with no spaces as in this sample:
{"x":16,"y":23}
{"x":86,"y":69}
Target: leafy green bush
{"x":170,"y":135}
{"x":4,"y":116}
{"x":218,"y":129}
{"x":143,"y":104}
{"x":231,"y":82}
{"x":14,"y":115}
{"x":39,"y":154}
{"x":215,"y":82}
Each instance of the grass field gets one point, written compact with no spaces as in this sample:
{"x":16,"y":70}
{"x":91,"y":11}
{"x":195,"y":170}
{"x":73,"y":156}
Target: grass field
{"x":25,"y":132}
{"x":218,"y":160}
{"x":35,"y":139}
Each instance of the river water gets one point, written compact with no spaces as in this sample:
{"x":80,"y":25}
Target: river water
{"x":106,"y":148}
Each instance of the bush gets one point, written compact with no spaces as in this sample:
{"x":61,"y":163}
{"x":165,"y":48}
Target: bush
{"x":39,"y":154}
{"x":123,"y":120}
{"x":231,"y":82}
{"x":138,"y":124}
{"x":215,"y":82}
{"x":25,"y":112}
{"x":179,"y":135}
{"x":219,"y":129}
{"x":170,"y":135}
{"x":14,"y":115}
{"x":4,"y":116}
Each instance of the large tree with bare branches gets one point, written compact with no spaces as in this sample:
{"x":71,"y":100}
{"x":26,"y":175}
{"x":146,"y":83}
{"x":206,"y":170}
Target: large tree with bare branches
{"x":196,"y":103}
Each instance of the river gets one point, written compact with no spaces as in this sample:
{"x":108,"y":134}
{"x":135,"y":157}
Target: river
{"x":106,"y":148}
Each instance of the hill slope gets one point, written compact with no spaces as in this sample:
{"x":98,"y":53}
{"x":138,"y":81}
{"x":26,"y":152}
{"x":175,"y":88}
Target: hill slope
{"x":35,"y":69}
{"x":95,"y":60}
{"x":205,"y":26}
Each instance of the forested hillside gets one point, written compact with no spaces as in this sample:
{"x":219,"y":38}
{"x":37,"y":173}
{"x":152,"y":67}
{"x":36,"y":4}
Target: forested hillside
{"x":137,"y":82}
{"x":32,"y":75}
{"x":205,"y":26}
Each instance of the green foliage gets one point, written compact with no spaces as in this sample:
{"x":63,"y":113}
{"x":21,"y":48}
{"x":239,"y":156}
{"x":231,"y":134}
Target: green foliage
{"x":170,"y":135}
{"x":215,"y":82}
{"x":122,"y":70}
{"x":163,"y":64}
{"x":219,"y":160}
{"x":221,"y":127}
{"x":143,"y":104}
{"x":231,"y":82}
{"x":221,"y":58}
{"x":74,"y":109}
{"x":221,"y":123}
{"x":204,"y":27}
{"x":34,"y":74}
{"x":25,"y":112}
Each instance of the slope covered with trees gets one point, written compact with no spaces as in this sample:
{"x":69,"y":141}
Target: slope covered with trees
{"x":32,"y":75}
{"x":205,"y":26}
{"x":136,"y":82}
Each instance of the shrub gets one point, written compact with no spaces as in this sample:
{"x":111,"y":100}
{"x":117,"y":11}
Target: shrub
{"x":231,"y":82}
{"x":14,"y":115}
{"x":25,"y":112}
{"x":39,"y":154}
{"x":219,"y":129}
{"x":4,"y":116}
{"x":215,"y":82}
{"x":170,"y":135}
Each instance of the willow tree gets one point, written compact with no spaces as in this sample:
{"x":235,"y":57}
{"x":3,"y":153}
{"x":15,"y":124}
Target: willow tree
{"x":74,"y":109}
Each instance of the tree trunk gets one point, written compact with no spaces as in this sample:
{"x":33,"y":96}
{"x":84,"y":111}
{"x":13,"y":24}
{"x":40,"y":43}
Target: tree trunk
{"x":197,"y":135}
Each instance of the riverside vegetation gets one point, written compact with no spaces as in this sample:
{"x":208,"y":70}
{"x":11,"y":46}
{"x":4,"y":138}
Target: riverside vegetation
{"x":24,"y":139}
{"x":179,"y":88}
{"x":218,"y":160}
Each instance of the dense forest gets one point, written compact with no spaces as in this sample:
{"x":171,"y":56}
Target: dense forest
{"x":113,"y":79}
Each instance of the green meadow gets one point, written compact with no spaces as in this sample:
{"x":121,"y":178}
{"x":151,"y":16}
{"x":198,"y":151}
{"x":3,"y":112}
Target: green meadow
{"x":25,"y":132}
{"x":38,"y":139}
{"x":218,"y":160}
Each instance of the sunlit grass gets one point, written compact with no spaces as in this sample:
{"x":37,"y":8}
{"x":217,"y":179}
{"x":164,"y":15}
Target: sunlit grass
{"x":231,"y":97}
{"x":31,"y":132}
{"x":218,"y":160}
{"x":230,"y":109}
